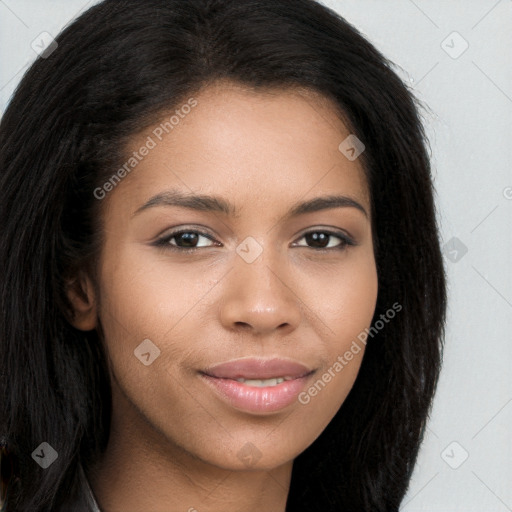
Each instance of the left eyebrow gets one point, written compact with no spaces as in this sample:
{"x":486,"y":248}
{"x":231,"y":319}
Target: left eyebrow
{"x":324,"y":203}
{"x":220,"y":205}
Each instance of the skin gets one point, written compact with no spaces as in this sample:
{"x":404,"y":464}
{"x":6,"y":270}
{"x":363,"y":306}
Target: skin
{"x":174,"y":442}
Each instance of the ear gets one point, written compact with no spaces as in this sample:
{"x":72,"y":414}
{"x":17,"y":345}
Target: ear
{"x":82,"y":296}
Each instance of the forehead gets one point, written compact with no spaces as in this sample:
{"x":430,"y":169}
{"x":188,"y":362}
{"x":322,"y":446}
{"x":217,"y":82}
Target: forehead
{"x":247,"y":145}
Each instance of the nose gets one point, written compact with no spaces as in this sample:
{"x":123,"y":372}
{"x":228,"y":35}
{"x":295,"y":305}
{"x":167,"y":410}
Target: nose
{"x":260,"y":297}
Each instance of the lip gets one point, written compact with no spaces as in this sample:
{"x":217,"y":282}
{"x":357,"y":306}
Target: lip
{"x":258,"y":369}
{"x":267,"y":399}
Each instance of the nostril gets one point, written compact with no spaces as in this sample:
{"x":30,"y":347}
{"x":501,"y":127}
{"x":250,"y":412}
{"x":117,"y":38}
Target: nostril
{"x":245,"y":325}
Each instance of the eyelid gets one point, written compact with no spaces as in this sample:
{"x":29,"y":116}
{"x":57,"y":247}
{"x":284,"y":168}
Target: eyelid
{"x":170,"y":232}
{"x":331,"y":231}
{"x":163,"y":241}
{"x":346,"y":240}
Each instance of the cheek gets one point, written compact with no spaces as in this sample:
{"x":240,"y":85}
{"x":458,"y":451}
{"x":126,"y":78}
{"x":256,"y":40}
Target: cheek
{"x":344,"y":302}
{"x":146,"y":295}
{"x":142,"y":306}
{"x":156,"y":301}
{"x":343,"y":296}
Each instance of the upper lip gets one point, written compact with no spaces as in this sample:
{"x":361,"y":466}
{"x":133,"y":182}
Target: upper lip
{"x":258,"y":369}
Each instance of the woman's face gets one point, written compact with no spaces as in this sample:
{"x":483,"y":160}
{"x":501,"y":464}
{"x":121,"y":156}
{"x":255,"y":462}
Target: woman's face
{"x":246,"y":279}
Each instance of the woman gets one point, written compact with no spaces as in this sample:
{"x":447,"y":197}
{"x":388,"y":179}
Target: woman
{"x":222,"y":287}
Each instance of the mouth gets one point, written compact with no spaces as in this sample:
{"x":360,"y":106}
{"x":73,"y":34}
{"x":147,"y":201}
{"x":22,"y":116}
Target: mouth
{"x":249,"y":369}
{"x":257,"y":385}
{"x":262,"y":383}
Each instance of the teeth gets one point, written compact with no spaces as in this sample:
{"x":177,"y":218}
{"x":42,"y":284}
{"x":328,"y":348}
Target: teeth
{"x":260,"y":383}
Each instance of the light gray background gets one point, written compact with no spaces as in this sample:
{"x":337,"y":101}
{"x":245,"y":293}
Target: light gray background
{"x":469,"y":121}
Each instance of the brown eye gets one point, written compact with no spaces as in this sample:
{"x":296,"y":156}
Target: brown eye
{"x":188,"y":238}
{"x":324,"y":240}
{"x":184,"y":240}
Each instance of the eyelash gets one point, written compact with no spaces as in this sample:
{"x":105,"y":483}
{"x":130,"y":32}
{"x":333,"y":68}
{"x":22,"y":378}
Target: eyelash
{"x":164,"y":242}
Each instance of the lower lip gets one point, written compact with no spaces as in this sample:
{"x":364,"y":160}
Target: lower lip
{"x":257,"y":399}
